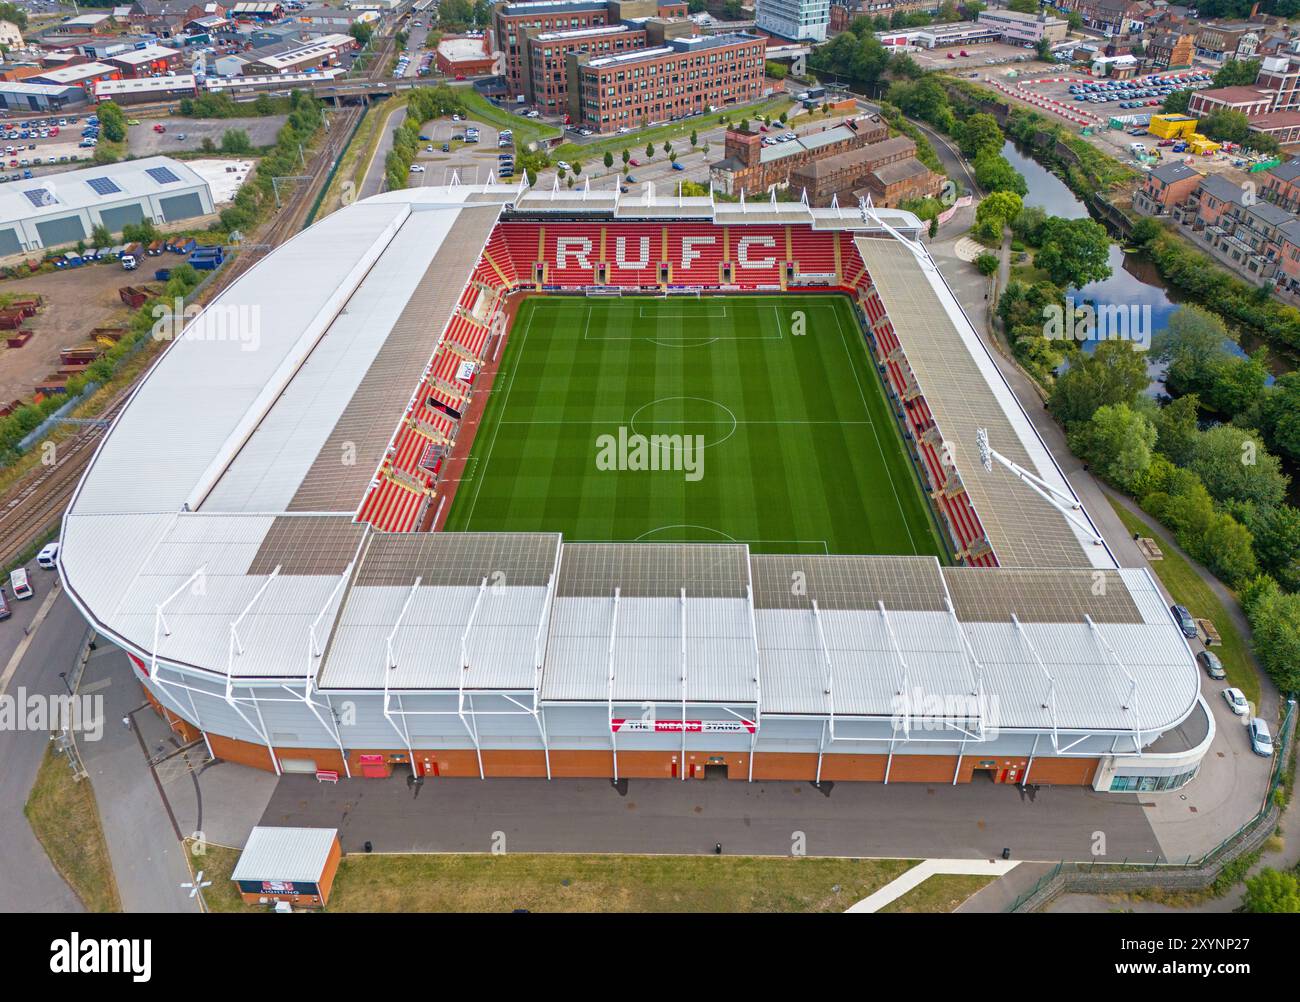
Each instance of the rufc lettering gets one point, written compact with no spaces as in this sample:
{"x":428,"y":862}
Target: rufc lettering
{"x":754,"y":251}
{"x":623,"y":726}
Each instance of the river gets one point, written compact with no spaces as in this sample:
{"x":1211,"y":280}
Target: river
{"x":1133,"y":280}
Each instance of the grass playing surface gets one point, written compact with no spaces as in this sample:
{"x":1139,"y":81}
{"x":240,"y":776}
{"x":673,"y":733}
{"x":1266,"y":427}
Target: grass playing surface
{"x":800,"y":453}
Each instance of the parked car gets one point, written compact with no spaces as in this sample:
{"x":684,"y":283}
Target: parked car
{"x":48,"y":556}
{"x":1236,"y":700}
{"x":1184,"y":620}
{"x":5,"y":611}
{"x":416,"y":169}
{"x":1261,"y":741}
{"x":19,"y":584}
{"x":1212,"y":665}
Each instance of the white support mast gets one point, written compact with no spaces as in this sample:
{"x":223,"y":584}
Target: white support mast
{"x":613,"y":632}
{"x":1062,"y":502}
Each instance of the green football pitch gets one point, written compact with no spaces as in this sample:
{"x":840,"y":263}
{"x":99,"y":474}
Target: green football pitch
{"x":796,"y":449}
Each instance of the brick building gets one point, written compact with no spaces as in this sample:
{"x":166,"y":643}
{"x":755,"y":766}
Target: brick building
{"x":546,"y":57}
{"x":750,"y":167}
{"x":1166,"y":186}
{"x":1250,"y":101}
{"x":1223,"y":42}
{"x":150,"y":61}
{"x":886,"y":170}
{"x":1258,"y":239}
{"x":512,"y":21}
{"x":684,"y":76}
{"x":1281,"y":185}
{"x":463,"y":56}
{"x":1170,"y":50}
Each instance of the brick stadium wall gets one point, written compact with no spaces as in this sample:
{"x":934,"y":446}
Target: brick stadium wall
{"x":597,"y":764}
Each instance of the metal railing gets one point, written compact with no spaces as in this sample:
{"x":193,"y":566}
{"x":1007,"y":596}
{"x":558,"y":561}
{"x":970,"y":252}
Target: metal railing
{"x":1065,"y":872}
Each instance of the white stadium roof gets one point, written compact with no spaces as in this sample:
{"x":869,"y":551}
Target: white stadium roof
{"x":215,"y":528}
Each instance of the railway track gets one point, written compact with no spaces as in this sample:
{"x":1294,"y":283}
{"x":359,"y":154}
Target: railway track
{"x":36,"y":504}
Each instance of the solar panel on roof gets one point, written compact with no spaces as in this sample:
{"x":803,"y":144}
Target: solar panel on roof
{"x":40,"y":197}
{"x":103,"y":185}
{"x":163,"y":175}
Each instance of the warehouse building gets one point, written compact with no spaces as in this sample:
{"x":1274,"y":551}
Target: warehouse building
{"x":25,"y":96}
{"x":216,"y":538}
{"x":145,"y":89}
{"x":47,"y":212}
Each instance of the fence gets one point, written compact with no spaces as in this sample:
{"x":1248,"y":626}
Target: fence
{"x":1189,"y":875}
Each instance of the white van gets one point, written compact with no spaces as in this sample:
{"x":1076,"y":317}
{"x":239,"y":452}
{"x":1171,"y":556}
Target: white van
{"x":19,"y":584}
{"x":48,"y":556}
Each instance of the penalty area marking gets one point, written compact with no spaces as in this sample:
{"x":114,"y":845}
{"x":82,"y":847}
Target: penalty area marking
{"x":728,"y":537}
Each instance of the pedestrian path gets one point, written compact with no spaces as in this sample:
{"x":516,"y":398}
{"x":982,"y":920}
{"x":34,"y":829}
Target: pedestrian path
{"x":895,"y":889}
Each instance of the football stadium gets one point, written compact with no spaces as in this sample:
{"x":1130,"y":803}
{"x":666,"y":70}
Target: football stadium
{"x":482,"y":481}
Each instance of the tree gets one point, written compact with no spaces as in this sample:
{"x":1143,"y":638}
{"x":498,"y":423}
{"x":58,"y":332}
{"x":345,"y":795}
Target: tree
{"x":1236,"y":72}
{"x":993,"y":172}
{"x":1113,"y":374}
{"x":1234,"y":466}
{"x":1044,"y":50}
{"x":1028,"y":226}
{"x":1273,"y":892}
{"x":100,"y":237}
{"x":986,"y":264}
{"x":978,"y":132}
{"x":1176,"y":103}
{"x":649,"y":150}
{"x":996,"y":211}
{"x":609,"y":159}
{"x":14,"y":14}
{"x":1117,"y":441}
{"x":112,"y":122}
{"x":1023,"y":6}
{"x":236,"y":141}
{"x":1074,"y":252}
{"x":1277,"y":540}
{"x":1178,"y":426}
{"x":1275,"y":627}
{"x":1226,"y":125}
{"x":627,"y":155}
{"x":362,"y":32}
{"x":695,"y":138}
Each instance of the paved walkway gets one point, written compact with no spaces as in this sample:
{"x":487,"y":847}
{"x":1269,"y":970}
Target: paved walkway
{"x":927,"y":868}
{"x":143,"y":840}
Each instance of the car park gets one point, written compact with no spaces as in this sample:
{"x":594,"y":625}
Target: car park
{"x":1236,"y":700}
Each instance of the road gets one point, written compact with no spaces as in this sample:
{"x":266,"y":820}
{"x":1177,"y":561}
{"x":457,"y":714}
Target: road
{"x":28,"y":881}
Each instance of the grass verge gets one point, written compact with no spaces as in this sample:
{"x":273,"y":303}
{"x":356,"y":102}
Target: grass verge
{"x":941,"y":893}
{"x":636,"y":141}
{"x":547,"y":882}
{"x":65,"y":819}
{"x":1187,"y":588}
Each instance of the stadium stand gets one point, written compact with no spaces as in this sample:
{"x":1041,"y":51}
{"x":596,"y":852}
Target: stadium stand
{"x":638,"y":256}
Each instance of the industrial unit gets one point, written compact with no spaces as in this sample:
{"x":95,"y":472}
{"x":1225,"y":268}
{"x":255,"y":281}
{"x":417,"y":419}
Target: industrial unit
{"x":219,"y":539}
{"x":45,"y":212}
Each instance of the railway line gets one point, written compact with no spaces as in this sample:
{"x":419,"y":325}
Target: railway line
{"x":34,"y":506}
